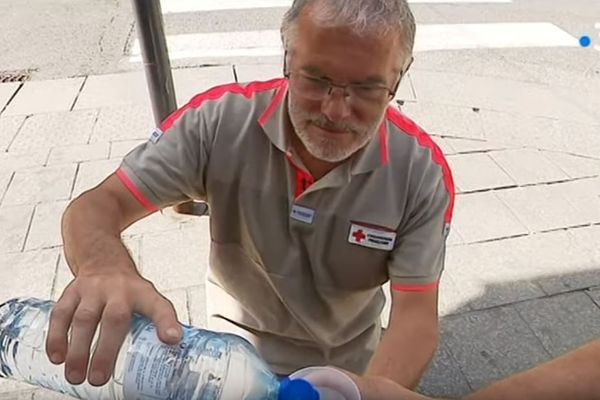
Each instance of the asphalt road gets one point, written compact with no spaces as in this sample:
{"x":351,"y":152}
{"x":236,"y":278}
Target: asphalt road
{"x":67,"y":38}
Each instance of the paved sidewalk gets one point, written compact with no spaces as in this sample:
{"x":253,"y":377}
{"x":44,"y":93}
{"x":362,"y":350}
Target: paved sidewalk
{"x":522,"y":282}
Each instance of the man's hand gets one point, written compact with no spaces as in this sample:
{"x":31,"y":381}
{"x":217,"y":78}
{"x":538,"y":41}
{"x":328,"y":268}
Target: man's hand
{"x":107,"y":288}
{"x":105,"y":297}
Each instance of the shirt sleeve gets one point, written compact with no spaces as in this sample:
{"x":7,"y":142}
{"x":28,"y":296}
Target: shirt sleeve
{"x":170,"y":167}
{"x":417,"y":261}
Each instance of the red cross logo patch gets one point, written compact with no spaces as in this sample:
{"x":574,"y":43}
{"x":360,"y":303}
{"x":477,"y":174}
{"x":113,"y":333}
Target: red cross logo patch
{"x":372,"y":236}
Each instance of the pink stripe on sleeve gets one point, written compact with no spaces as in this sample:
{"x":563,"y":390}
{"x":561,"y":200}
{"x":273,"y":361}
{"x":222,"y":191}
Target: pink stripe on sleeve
{"x":415,"y":288}
{"x":135,"y":191}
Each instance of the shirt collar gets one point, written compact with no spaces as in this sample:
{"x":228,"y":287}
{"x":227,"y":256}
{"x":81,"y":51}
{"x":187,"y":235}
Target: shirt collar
{"x":274,"y":121}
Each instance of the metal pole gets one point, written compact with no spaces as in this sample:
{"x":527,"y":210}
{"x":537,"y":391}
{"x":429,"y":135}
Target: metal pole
{"x":153,"y":45}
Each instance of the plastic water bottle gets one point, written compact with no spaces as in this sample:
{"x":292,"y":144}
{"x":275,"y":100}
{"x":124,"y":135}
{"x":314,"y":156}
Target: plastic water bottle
{"x":204,"y":366}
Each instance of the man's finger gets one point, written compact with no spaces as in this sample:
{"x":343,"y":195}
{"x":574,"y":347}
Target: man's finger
{"x":58,"y":327}
{"x":83,"y":328}
{"x":162,"y":313}
{"x":113,"y":330}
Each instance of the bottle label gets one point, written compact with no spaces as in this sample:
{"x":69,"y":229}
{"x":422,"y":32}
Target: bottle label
{"x":150,"y":367}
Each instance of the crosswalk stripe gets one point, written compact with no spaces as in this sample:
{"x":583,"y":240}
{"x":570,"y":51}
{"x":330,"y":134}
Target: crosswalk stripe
{"x":430,"y":37}
{"x":184,"y":6}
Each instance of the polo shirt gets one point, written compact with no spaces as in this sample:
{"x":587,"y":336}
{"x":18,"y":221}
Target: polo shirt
{"x":296,"y":265}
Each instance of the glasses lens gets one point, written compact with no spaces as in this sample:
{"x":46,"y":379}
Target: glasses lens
{"x":367,"y":93}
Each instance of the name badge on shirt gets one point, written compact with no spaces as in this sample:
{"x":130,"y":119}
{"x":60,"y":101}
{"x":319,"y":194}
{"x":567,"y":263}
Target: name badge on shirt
{"x":302,"y":214}
{"x":156,"y":135}
{"x":373,"y":237}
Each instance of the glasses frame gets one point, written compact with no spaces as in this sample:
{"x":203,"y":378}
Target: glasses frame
{"x":331,"y":85}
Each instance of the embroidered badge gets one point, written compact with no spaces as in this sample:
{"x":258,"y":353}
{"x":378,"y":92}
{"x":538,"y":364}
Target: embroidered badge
{"x":371,"y":236}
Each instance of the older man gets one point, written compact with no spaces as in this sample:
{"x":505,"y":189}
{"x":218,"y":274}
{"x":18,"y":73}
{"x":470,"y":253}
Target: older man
{"x":319,"y":193}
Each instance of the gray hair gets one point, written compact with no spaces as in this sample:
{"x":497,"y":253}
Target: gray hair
{"x":364,"y":17}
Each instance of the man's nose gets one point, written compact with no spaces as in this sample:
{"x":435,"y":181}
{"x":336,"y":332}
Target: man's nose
{"x":335,"y":105}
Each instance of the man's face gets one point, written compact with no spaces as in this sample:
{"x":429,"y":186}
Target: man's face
{"x":334,"y":125}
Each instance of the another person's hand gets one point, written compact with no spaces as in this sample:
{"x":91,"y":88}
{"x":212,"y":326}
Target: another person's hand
{"x":105,"y":298}
{"x":331,"y":383}
{"x":336,"y":384}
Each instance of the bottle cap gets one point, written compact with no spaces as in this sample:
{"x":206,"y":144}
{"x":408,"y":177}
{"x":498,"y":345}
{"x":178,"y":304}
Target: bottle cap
{"x":297,"y":389}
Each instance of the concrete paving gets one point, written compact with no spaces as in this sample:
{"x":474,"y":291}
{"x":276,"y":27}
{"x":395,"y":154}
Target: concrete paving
{"x":522,"y":279}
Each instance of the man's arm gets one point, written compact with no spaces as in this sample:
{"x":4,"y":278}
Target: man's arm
{"x":410,"y":340}
{"x":107,"y":287}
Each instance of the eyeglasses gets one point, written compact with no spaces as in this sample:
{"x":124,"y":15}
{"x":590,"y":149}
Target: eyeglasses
{"x":315,"y":88}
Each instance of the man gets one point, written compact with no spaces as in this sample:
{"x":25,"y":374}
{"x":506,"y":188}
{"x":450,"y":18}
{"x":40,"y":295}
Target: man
{"x":319,"y":194}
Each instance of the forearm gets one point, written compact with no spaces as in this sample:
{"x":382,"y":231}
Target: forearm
{"x":403,"y":357}
{"x":573,"y":376}
{"x":91,"y":228}
{"x":379,"y":388}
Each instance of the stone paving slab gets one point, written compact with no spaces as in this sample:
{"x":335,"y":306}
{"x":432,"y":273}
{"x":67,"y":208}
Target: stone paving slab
{"x":120,"y":148}
{"x":483,"y":216}
{"x":168,"y":272}
{"x":492,"y":344}
{"x":562,"y":322}
{"x":515,"y":269}
{"x":189,"y":82}
{"x":21,"y":160}
{"x":475,"y":172}
{"x":126,"y":122}
{"x":7,"y":90}
{"x":15,"y":223}
{"x":445,"y":120}
{"x":496,"y":94}
{"x":584,"y":195}
{"x":112,"y":90}
{"x":44,"y":184}
{"x":472,"y":145}
{"x":257,"y":72}
{"x":575,"y":167}
{"x":179,"y":300}
{"x":92,"y":173}
{"x":444,"y":144}
{"x":28,"y":274}
{"x":528,"y":166}
{"x":406,"y":91}
{"x":543,"y":133}
{"x":9,"y":126}
{"x":516,"y":129}
{"x":5,"y":178}
{"x":541,"y":208}
{"x":37,"y":97}
{"x":45,"y":226}
{"x":197,"y":305}
{"x":444,"y":377}
{"x":594,"y":294}
{"x":43,"y":131}
{"x":78,"y":153}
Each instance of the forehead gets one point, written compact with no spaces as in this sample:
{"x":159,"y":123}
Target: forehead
{"x":340,"y":53}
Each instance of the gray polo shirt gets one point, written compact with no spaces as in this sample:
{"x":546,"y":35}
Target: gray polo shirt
{"x":296,"y":265}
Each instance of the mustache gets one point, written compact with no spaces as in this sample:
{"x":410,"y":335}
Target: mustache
{"x":323,"y":122}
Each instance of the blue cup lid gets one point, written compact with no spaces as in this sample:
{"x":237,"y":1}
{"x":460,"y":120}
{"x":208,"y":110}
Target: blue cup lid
{"x":297,"y":389}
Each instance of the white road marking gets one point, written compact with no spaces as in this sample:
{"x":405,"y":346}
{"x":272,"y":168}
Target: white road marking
{"x":183,"y":6}
{"x":429,"y":38}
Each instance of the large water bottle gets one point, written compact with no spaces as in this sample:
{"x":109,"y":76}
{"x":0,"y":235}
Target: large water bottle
{"x":204,"y":366}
